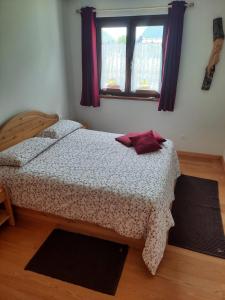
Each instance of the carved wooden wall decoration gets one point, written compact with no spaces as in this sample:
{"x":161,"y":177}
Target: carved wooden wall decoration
{"x":218,"y":40}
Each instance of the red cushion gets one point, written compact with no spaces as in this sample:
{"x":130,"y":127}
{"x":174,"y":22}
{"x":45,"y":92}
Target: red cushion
{"x":145,"y":143}
{"x":125,"y":139}
{"x":158,"y":137}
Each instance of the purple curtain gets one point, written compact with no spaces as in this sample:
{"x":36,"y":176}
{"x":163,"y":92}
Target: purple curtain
{"x":90,"y":89}
{"x":172,"y":52}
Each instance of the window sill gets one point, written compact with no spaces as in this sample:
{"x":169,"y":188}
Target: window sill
{"x":153,"y":99}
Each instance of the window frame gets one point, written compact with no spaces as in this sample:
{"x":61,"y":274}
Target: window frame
{"x":131,"y":23}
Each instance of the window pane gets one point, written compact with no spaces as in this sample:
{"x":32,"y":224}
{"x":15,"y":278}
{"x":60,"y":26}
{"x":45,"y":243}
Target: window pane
{"x":113,"y":58}
{"x":147,"y":59}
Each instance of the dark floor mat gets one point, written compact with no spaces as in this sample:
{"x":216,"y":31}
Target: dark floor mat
{"x":83,"y":260}
{"x":196,"y":212}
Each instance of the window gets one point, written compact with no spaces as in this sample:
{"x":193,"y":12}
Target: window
{"x":130,"y":55}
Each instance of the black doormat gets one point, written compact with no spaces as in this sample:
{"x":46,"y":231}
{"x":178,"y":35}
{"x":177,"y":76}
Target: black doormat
{"x":83,"y":260}
{"x":196,"y":212}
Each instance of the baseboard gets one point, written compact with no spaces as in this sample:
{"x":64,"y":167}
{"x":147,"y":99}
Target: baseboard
{"x":202,"y":156}
{"x":223,"y":163}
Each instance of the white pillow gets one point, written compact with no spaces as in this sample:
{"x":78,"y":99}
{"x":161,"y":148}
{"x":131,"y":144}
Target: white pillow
{"x":60,"y":129}
{"x":22,"y":153}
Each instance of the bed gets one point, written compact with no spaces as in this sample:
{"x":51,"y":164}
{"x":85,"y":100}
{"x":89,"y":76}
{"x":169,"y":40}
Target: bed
{"x":87,"y":176}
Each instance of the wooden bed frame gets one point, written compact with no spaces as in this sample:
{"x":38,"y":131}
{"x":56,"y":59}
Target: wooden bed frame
{"x":24,"y":126}
{"x":27,"y":125}
{"x":29,"y":215}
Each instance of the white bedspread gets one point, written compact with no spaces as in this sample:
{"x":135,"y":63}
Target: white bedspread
{"x":89,"y":176}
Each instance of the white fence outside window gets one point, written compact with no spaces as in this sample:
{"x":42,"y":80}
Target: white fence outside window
{"x":146,"y":67}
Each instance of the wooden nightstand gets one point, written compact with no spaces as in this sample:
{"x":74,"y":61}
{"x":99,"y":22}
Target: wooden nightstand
{"x":85,"y":125}
{"x":6,"y":213}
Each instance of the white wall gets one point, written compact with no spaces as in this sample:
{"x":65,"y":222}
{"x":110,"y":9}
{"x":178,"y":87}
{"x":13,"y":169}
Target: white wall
{"x":32,"y":70}
{"x":198,"y":121}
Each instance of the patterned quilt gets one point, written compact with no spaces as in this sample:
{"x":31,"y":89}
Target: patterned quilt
{"x":89,"y":176}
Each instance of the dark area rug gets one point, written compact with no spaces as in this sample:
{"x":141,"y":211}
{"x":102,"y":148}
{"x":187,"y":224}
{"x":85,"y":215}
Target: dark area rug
{"x":196,"y":212}
{"x":83,"y":260}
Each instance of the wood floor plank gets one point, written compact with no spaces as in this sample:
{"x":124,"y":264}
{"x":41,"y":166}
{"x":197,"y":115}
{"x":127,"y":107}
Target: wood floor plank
{"x":182,"y":275}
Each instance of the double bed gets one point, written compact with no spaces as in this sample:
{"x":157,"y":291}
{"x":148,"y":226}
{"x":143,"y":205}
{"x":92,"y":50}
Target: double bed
{"x":87,"y":176}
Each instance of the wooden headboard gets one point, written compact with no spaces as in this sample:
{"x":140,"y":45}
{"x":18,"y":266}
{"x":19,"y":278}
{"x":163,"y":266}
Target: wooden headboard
{"x":23,"y":126}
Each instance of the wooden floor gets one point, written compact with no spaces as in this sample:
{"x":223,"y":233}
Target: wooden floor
{"x":182,"y":275}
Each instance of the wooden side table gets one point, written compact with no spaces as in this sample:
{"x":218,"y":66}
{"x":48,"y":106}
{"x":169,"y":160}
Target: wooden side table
{"x":6,"y":213}
{"x":85,"y":125}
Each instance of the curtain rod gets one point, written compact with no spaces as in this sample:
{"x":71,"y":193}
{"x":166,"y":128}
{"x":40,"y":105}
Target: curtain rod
{"x":190,"y":4}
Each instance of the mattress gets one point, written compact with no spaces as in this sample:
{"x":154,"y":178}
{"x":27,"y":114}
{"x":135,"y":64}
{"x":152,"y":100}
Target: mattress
{"x":89,"y":176}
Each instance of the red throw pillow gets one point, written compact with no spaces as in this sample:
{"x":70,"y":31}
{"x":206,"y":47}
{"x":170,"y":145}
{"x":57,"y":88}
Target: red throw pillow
{"x":158,"y":137}
{"x":145,"y":143}
{"x":125,"y":139}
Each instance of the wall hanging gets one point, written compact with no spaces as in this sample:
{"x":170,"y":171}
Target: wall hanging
{"x":218,"y":39}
